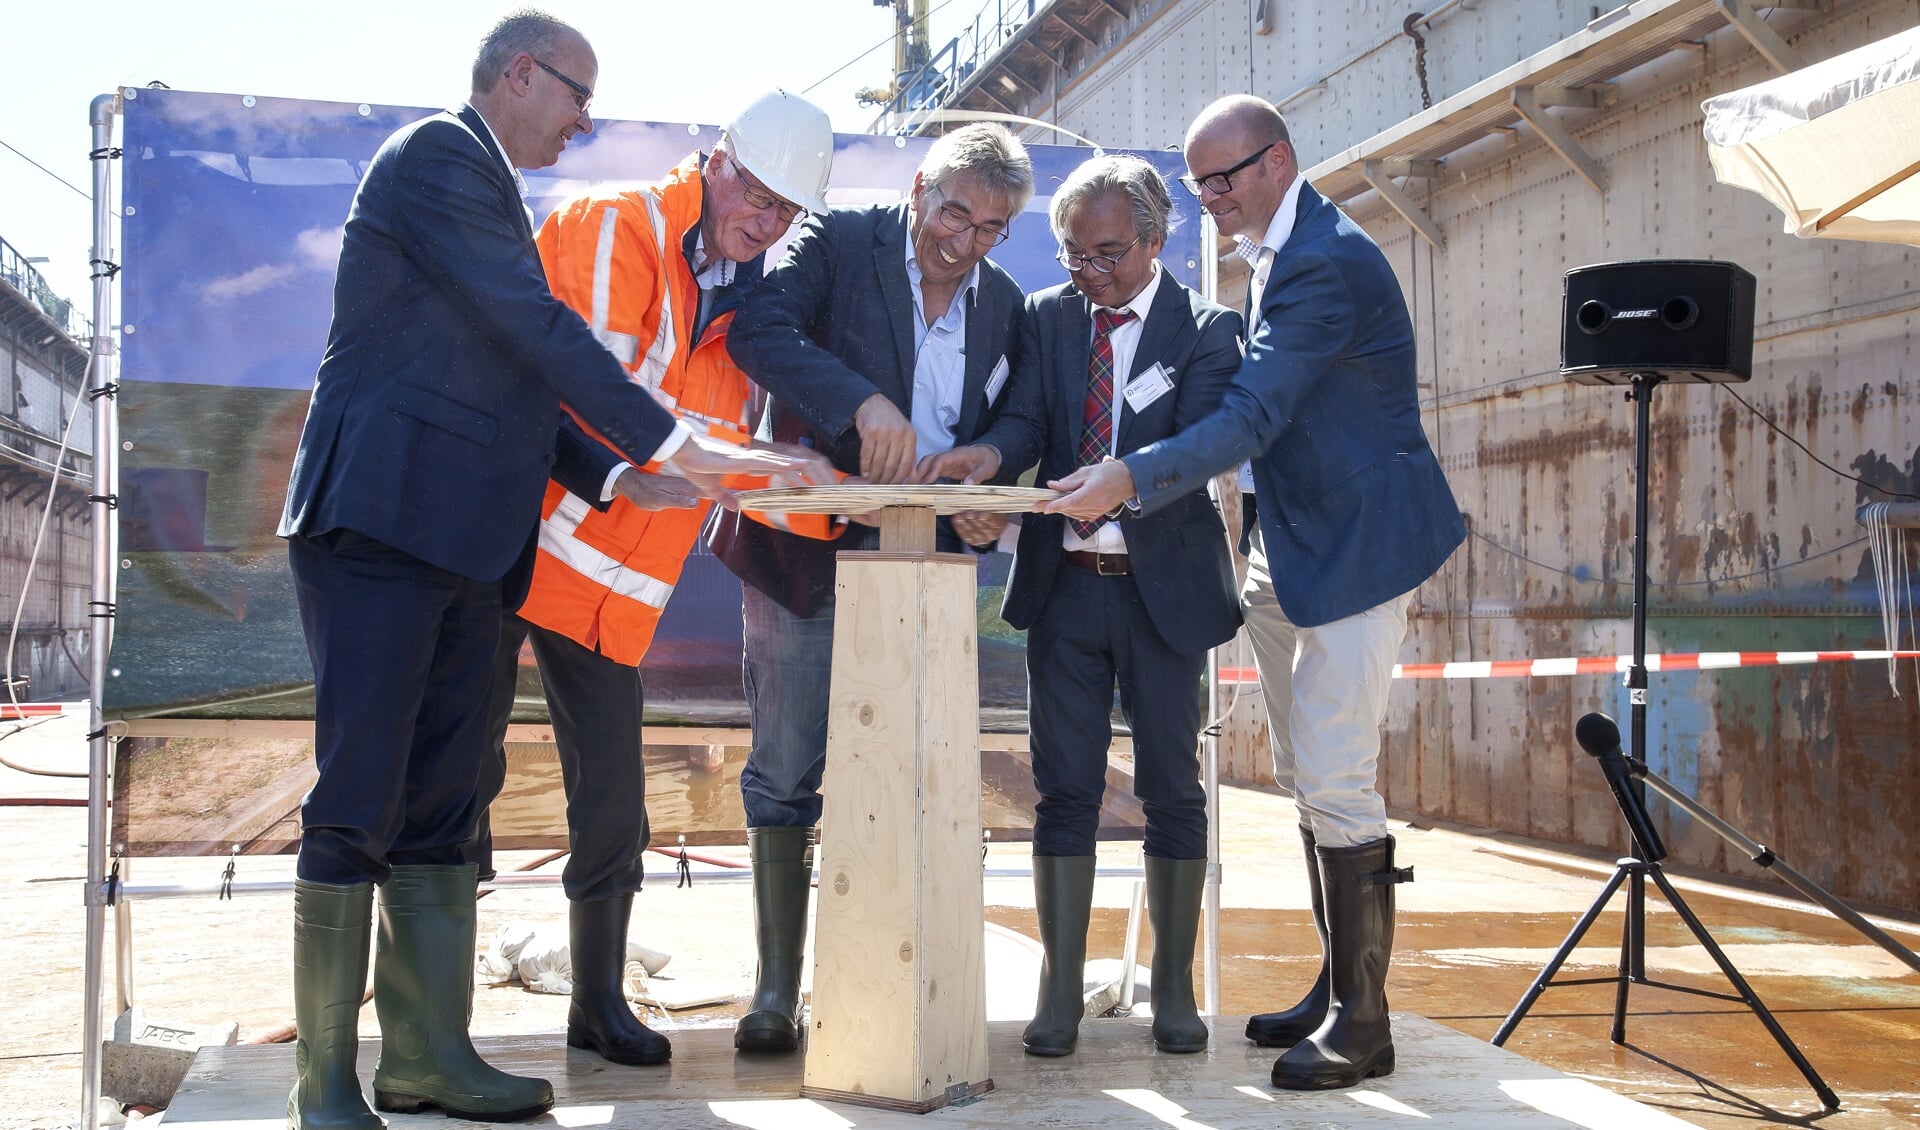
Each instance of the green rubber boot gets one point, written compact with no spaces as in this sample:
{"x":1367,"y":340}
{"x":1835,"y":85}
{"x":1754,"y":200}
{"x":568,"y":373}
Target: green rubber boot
{"x":1174,"y":889}
{"x":423,"y":994}
{"x":332,"y":926}
{"x":1063,"y":902}
{"x":1289,"y":1026}
{"x":782,"y":882}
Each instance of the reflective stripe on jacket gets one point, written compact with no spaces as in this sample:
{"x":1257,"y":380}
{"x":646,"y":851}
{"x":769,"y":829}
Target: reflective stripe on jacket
{"x":602,"y":577}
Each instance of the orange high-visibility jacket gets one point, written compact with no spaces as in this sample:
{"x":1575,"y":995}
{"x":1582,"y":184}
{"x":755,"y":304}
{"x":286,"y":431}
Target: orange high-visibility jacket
{"x":602,"y":577}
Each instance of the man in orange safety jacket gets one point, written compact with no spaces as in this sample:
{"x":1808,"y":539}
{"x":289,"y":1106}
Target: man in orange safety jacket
{"x":657,"y":271}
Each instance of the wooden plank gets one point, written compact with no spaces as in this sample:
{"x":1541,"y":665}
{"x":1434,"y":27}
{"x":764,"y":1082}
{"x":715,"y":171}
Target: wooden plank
{"x":899,"y":995}
{"x":1114,"y":1081}
{"x":518,"y":732}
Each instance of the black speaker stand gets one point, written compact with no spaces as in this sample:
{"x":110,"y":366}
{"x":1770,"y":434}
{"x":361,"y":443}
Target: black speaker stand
{"x":1624,"y":778}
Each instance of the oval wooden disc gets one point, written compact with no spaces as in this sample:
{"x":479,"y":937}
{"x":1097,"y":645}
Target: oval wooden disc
{"x":859,"y":498}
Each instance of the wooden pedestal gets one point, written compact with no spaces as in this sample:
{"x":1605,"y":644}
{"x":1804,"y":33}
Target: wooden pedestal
{"x":899,"y":993}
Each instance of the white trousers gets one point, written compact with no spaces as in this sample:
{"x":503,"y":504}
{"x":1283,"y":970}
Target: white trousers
{"x":1326,"y":695}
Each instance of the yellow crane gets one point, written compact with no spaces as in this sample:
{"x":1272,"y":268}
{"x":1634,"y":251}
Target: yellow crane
{"x":910,"y":48}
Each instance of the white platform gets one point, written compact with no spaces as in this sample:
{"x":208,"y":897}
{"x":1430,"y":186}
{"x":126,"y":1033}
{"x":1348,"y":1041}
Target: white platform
{"x":1115,"y":1081}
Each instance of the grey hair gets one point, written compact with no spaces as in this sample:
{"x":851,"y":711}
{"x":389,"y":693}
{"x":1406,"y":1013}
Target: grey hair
{"x":988,"y":151}
{"x":523,"y":29}
{"x":1145,"y":189}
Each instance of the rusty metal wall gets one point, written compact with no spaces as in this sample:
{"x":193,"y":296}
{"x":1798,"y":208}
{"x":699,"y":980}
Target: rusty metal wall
{"x":41,"y":374}
{"x":1754,"y":544}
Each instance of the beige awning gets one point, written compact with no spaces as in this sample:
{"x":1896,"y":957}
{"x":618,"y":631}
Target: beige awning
{"x":1834,"y":145}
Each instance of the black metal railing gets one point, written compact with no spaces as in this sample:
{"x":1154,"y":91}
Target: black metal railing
{"x":18,"y":273}
{"x":929,"y":87}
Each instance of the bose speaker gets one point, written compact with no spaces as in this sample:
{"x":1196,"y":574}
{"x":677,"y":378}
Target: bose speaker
{"x":1688,"y":320}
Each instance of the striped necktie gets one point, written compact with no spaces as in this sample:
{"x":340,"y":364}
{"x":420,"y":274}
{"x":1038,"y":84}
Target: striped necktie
{"x":1096,"y":433}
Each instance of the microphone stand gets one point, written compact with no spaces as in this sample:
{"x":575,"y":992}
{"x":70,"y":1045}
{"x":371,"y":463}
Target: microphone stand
{"x":1626,"y":777}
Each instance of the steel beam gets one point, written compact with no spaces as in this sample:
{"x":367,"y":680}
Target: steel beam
{"x":1078,"y":32}
{"x":1559,"y":138}
{"x":1375,"y":174}
{"x":1758,"y":32}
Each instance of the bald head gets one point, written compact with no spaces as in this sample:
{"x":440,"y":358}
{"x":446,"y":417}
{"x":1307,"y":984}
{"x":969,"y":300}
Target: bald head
{"x":1241,"y":118}
{"x":1240,"y":163}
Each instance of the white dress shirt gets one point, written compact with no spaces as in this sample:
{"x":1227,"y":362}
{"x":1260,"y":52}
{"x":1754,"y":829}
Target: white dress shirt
{"x":1260,"y":257}
{"x":1125,"y":340}
{"x":680,"y":432}
{"x":939,"y":362}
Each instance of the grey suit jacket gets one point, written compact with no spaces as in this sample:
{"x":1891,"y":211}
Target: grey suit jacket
{"x":825,"y":330}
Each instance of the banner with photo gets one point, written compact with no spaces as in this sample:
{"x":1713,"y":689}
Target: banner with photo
{"x":231,"y":225}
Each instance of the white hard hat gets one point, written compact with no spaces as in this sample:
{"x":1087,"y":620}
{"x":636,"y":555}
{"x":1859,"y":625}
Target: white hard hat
{"x":787,"y":143}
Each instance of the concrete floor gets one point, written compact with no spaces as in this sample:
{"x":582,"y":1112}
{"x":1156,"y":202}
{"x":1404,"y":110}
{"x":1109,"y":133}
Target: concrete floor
{"x":1484,"y":915}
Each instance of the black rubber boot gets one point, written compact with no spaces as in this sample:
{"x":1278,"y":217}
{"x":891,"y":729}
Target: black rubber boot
{"x":598,"y":1018}
{"x":423,"y":994}
{"x":332,"y":927}
{"x":1063,"y":902}
{"x":1355,"y":1041}
{"x":782,"y":881}
{"x":1288,"y":1027}
{"x":1174,"y":890}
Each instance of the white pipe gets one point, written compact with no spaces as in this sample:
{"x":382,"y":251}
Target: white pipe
{"x":1210,"y":771}
{"x":100,"y":375}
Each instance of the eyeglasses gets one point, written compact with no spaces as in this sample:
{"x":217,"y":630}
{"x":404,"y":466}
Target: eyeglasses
{"x":582,"y":95}
{"x":959,"y":223}
{"x":1221,"y":183}
{"x":758,"y":196}
{"x":1099,"y":264}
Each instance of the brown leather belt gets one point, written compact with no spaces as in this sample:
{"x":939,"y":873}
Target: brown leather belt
{"x":1105,"y":564}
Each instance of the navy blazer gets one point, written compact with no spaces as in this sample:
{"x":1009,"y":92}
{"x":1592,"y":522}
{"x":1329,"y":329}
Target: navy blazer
{"x":1178,"y":553}
{"x":826,"y":329}
{"x":435,"y":416}
{"x":1354,"y":509}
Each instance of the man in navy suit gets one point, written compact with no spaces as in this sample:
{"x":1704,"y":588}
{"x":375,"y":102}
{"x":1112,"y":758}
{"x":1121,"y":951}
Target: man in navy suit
{"x":1353,"y":514}
{"x":884,"y":335}
{"x":410,"y":520}
{"x":1118,"y":358}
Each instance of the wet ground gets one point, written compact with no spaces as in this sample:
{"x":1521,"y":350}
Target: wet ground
{"x":1485,"y":913}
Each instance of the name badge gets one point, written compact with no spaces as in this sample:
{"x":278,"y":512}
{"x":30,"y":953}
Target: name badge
{"x":1149,"y":387}
{"x":997,"y":380}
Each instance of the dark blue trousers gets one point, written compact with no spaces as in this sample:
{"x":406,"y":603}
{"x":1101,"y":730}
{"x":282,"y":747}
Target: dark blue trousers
{"x":596,"y":705}
{"x":402,"y":662}
{"x":1092,"y":634}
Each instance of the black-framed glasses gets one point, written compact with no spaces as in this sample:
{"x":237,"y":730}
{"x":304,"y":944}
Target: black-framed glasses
{"x":761,"y":197}
{"x":1221,"y":183}
{"x":582,"y":95}
{"x":959,"y":223}
{"x":1099,"y":264}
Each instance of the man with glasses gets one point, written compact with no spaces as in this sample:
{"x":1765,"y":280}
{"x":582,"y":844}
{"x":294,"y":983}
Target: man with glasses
{"x":885,"y":335}
{"x":411,"y":517}
{"x":1120,"y":356}
{"x":658,"y":271}
{"x":1353,"y":514}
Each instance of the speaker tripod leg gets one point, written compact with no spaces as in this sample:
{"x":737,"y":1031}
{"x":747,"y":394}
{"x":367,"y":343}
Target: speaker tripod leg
{"x":1559,"y":958}
{"x":1745,"y":990}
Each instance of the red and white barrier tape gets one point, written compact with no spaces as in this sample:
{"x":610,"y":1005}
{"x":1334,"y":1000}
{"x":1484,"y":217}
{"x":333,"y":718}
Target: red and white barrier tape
{"x":9,"y":712}
{"x":1605,"y":664}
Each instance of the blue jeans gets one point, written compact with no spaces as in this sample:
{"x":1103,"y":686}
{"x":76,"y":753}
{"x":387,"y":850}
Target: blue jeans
{"x":787,"y":672}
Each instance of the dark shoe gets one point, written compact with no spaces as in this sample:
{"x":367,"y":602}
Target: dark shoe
{"x":423,"y":994}
{"x":782,"y":882}
{"x":1355,"y":1041}
{"x":332,"y":927}
{"x":1063,"y":901}
{"x":1174,"y":889}
{"x":598,"y":1018}
{"x":1288,"y":1027}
